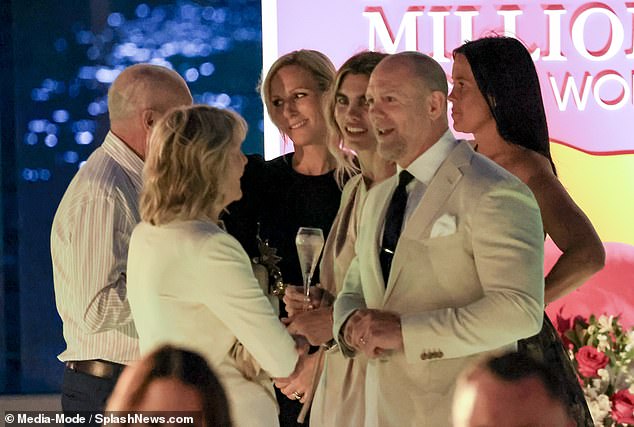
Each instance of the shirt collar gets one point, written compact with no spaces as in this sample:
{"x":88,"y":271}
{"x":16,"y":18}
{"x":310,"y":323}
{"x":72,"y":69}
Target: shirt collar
{"x":427,"y":164}
{"x":124,"y":156}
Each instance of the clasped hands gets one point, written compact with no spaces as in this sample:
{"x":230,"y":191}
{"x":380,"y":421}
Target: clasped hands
{"x":370,"y":331}
{"x":300,"y":382}
{"x":315,"y":326}
{"x":376,"y":333}
{"x":315,"y":323}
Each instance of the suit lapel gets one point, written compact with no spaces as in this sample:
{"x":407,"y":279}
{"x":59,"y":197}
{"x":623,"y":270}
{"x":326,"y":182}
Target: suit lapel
{"x":373,"y":217}
{"x":440,"y":188}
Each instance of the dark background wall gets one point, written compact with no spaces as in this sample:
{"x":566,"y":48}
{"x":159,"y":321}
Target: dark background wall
{"x":57,"y":59}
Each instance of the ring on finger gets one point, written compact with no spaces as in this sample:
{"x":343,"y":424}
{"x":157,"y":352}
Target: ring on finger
{"x":297,"y":395}
{"x":362,"y":340}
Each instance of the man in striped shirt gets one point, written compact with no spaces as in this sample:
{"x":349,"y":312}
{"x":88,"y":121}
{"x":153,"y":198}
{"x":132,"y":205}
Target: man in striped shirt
{"x":90,"y":235}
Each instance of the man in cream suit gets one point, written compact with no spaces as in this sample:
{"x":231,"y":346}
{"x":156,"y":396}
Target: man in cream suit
{"x":466,"y":274}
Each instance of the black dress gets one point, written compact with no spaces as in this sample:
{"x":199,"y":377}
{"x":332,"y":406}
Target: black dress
{"x":281,"y":200}
{"x":548,"y":348}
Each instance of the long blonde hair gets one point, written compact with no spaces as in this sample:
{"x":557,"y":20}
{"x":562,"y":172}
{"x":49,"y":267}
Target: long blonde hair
{"x":188,"y":152}
{"x":323,"y":71}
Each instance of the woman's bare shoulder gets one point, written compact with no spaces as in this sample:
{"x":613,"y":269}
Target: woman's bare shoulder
{"x":530,"y":167}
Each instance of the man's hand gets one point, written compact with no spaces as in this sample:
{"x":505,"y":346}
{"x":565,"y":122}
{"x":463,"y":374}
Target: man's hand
{"x":374,"y":332}
{"x":301,"y":345}
{"x":315,"y":325}
{"x":294,"y":299}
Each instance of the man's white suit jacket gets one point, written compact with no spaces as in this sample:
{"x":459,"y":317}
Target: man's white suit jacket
{"x":467,"y":278}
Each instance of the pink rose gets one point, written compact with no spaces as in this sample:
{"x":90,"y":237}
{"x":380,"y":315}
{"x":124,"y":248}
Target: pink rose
{"x":590,"y":360}
{"x":623,"y":407}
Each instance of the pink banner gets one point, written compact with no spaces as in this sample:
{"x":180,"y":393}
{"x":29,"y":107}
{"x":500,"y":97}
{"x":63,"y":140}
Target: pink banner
{"x":584,"y":55}
{"x":583,"y":51}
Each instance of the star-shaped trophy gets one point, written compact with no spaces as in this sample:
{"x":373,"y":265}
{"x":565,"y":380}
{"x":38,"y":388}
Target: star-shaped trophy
{"x":268,"y":258}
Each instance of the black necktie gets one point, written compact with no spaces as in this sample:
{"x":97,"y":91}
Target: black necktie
{"x":394,"y":223}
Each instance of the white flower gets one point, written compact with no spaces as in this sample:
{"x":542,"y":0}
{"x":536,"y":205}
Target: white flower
{"x":600,"y":385}
{"x":604,"y":343}
{"x":607,"y":335}
{"x":605,"y":323}
{"x":590,"y":393}
{"x":603,"y":374}
{"x":599,"y":406}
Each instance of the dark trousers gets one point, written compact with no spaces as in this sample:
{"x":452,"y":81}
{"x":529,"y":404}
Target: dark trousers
{"x":85,"y":394}
{"x":289,"y":410}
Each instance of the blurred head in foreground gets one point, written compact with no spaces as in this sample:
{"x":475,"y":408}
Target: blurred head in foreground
{"x":174,"y":381}
{"x":511,"y":390}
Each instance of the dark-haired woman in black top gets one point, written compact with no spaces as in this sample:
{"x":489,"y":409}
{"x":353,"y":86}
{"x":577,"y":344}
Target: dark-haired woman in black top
{"x":496,"y":96}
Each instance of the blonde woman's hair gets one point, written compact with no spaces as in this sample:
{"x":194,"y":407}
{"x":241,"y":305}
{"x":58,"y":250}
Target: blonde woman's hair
{"x":323,"y":71}
{"x":188,"y":152}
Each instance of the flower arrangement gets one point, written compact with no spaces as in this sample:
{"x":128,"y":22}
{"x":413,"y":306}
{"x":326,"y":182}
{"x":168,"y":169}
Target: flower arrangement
{"x":603,"y":353}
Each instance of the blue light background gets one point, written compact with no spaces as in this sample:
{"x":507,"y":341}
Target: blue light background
{"x":64,"y":56}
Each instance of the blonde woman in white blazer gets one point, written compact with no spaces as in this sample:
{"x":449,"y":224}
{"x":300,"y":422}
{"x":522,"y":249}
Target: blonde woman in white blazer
{"x":191,"y":283}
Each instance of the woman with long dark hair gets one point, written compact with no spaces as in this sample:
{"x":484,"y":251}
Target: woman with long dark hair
{"x":496,"y":97}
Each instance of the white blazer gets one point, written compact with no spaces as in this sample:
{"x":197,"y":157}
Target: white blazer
{"x":467,"y":278}
{"x":190,"y":284}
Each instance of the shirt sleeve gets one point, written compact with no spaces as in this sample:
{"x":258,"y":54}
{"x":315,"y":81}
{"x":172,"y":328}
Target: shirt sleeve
{"x":349,"y":300}
{"x":507,"y":244}
{"x":95,"y":258}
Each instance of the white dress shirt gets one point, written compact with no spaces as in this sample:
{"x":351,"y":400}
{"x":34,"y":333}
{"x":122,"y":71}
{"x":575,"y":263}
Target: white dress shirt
{"x":89,"y":250}
{"x":424,"y":168}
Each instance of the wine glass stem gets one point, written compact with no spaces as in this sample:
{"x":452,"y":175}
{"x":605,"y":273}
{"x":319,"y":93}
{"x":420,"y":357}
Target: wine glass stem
{"x":307,"y":294}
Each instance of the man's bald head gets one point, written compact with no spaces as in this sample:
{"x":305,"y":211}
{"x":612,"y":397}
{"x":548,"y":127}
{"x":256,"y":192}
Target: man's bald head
{"x":422,"y":67}
{"x":144,"y":86}
{"x":141,"y":95}
{"x":407,"y":98}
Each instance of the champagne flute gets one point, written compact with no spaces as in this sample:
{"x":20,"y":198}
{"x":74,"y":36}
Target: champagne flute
{"x":309,"y":242}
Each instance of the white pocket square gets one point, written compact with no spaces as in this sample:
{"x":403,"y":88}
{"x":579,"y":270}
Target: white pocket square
{"x":444,"y":226}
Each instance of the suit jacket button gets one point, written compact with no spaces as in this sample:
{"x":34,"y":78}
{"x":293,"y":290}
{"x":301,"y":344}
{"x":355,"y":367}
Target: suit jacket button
{"x":424,"y":356}
{"x":441,"y":354}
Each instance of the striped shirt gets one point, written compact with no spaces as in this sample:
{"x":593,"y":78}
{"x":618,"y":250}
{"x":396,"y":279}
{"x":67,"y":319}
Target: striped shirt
{"x":89,"y":249}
